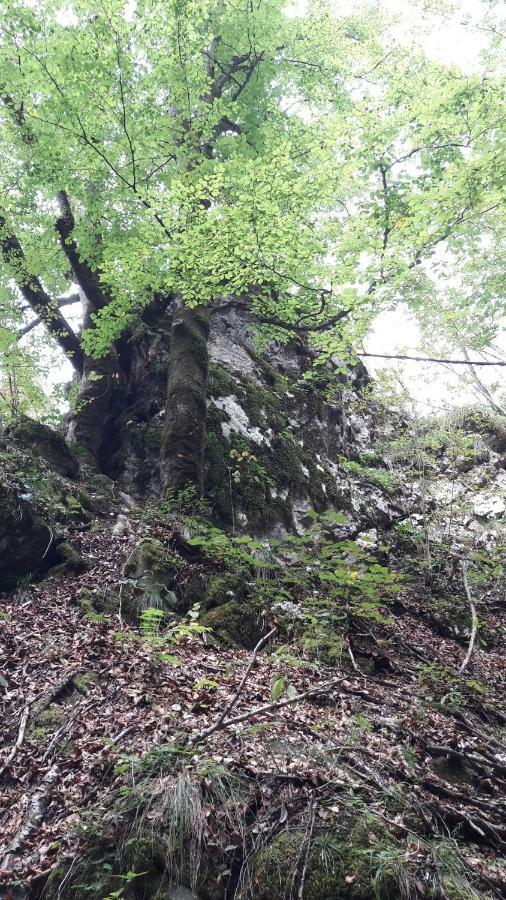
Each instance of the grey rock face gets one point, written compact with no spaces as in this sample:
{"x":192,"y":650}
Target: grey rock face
{"x":41,"y":440}
{"x":26,"y":541}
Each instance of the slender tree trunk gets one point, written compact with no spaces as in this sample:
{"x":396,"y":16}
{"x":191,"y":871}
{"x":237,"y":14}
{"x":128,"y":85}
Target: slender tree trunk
{"x":182,"y":452}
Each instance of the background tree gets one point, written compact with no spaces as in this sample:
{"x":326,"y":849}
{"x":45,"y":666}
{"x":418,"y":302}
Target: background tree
{"x":167,"y":157}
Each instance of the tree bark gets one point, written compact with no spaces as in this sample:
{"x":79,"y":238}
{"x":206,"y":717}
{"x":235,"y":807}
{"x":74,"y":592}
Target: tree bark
{"x":93,"y":403}
{"x":182,"y":451}
{"x":85,"y":276}
{"x":37,"y":298}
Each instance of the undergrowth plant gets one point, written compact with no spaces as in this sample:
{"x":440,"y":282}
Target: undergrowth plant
{"x":314,"y":584}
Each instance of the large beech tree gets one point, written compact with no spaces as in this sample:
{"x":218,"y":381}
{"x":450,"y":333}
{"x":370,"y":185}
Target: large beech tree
{"x":179,"y":153}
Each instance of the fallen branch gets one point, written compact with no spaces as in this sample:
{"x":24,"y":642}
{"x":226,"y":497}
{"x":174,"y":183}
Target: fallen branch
{"x":19,"y":739}
{"x":474,"y":617}
{"x":268,"y":707}
{"x":36,"y":810}
{"x":235,"y":698}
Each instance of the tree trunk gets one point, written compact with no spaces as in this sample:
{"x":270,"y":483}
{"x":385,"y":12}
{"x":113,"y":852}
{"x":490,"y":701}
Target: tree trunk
{"x":93,"y":403}
{"x":182,"y":451}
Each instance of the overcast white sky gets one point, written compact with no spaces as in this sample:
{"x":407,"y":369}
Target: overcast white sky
{"x":457,"y":39}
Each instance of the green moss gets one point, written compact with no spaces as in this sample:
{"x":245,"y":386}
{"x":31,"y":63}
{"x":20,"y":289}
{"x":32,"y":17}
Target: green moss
{"x":153,"y":559}
{"x":84,"y":681}
{"x":223,"y":588}
{"x":338,"y":868}
{"x":70,"y":561}
{"x":153,"y":438}
{"x":284,"y":465}
{"x":222,"y":384}
{"x":47,"y":722}
{"x":264,"y":407}
{"x":100,"y":482}
{"x":40,"y":440}
{"x":237,"y":623}
{"x":482,"y":421}
{"x":217,"y":476}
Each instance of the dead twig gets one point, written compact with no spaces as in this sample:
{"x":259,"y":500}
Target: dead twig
{"x":268,"y":707}
{"x":307,"y":849}
{"x":229,"y":707}
{"x":19,"y":739}
{"x":474,"y":617}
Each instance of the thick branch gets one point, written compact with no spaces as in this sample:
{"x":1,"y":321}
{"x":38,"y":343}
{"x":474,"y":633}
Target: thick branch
{"x":37,"y":298}
{"x":63,"y":301}
{"x":474,"y":617}
{"x":86,"y":278}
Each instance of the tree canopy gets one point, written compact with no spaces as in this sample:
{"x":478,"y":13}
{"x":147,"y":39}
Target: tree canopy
{"x":209,"y":149}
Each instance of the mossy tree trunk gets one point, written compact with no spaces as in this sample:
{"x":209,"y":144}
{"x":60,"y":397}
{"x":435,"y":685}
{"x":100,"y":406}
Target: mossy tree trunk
{"x":182,"y":451}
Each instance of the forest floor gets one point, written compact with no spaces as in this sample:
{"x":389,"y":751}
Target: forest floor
{"x":80,"y":695}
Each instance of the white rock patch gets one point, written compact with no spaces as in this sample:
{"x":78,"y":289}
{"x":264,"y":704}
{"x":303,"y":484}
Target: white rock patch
{"x":239,"y":421}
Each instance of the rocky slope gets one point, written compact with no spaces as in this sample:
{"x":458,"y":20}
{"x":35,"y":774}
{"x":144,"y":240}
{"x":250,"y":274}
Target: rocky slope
{"x":149,"y":751}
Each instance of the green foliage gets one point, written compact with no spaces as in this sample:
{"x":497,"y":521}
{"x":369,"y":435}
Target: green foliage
{"x":315,"y":585}
{"x":152,"y":621}
{"x":212,"y":149}
{"x":382,"y":478}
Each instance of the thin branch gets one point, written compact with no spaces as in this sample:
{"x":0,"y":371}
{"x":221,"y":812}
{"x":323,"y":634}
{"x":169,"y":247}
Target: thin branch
{"x":474,"y":616}
{"x":305,"y":329}
{"x":62,"y":301}
{"x":229,"y":707}
{"x":434,"y":359}
{"x":124,"y":113}
{"x":268,"y":707}
{"x":19,"y":739}
{"x":482,"y":388}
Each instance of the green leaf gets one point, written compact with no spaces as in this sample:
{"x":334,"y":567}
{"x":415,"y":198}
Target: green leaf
{"x":278,"y":686}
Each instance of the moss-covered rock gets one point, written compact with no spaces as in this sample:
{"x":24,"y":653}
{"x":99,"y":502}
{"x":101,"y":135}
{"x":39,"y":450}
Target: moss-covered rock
{"x":225,"y":587}
{"x":41,"y":440}
{"x":154,"y":578}
{"x":238,"y":623}
{"x":339,"y":866}
{"x":27,"y":542}
{"x":69,"y":560}
{"x":152,"y":564}
{"x":47,"y":722}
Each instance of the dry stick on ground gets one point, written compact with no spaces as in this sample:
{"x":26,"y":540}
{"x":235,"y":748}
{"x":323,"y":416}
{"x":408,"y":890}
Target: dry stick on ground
{"x":474,"y":626}
{"x":307,"y":850}
{"x":35,"y":814}
{"x":267,"y":707}
{"x":219,"y":722}
{"x":353,"y":662}
{"x":19,"y":739}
